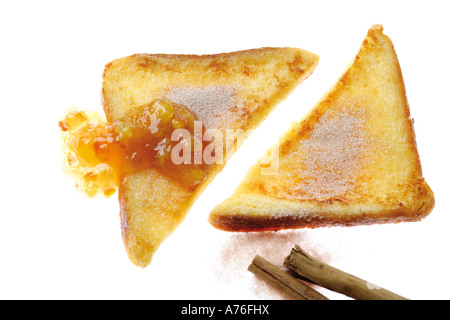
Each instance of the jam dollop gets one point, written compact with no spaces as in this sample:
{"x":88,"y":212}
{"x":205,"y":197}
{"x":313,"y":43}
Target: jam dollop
{"x":99,"y":154}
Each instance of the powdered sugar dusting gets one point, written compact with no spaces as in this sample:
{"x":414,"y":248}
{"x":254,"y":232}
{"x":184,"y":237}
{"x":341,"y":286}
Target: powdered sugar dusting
{"x":216,"y":106}
{"x":333,"y":155}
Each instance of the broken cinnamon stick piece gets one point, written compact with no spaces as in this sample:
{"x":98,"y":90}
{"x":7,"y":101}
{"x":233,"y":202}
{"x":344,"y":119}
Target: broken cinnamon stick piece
{"x":289,"y":285}
{"x":315,"y":271}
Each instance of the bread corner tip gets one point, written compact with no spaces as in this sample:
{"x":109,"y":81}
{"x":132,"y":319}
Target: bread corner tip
{"x":378,"y":27}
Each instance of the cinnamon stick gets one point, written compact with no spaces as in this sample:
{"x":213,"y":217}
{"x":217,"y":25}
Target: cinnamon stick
{"x":282,"y":280}
{"x":311,"y":269}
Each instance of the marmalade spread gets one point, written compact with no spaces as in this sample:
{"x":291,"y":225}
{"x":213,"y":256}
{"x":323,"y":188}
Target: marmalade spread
{"x":99,"y":154}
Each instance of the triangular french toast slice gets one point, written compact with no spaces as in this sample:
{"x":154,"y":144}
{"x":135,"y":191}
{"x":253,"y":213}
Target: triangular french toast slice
{"x":352,"y":160}
{"x":225,"y":91}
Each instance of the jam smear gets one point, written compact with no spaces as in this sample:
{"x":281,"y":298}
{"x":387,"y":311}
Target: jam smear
{"x":99,"y":154}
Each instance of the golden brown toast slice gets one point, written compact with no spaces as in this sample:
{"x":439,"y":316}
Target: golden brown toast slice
{"x":226,"y":91}
{"x":352,"y":160}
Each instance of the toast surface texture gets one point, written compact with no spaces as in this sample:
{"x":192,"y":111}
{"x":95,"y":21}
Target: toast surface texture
{"x":226,"y":91}
{"x":352,"y":160}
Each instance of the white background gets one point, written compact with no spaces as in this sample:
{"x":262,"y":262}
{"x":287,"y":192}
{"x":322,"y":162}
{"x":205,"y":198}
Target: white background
{"x":56,"y":244}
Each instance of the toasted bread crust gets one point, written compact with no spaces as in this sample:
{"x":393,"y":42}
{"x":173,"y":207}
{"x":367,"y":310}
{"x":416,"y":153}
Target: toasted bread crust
{"x":352,"y":160}
{"x":315,"y":214}
{"x":152,"y":206}
{"x":281,"y":68}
